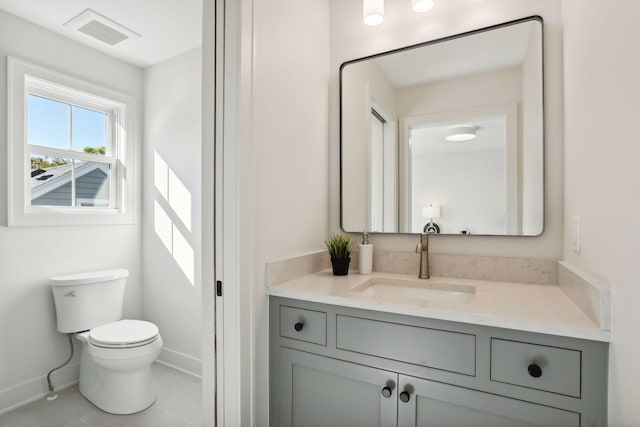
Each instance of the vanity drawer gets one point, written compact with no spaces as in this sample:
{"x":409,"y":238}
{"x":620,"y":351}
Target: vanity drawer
{"x":535,"y":366}
{"x":433,"y":348}
{"x":303,"y":325}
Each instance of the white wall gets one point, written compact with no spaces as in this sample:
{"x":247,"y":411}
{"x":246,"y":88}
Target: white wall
{"x":171,"y":234}
{"x":464,"y":182}
{"x":350,"y":39}
{"x":497,"y":87}
{"x":29,"y":342}
{"x":287,"y":208}
{"x":362,"y":83}
{"x":531,"y":115}
{"x":602,"y":182}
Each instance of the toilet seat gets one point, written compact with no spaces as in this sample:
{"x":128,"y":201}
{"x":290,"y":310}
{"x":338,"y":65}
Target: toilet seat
{"x":123,"y":334}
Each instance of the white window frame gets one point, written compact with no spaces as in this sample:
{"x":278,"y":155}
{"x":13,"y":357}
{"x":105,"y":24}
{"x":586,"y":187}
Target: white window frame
{"x":23,"y":79}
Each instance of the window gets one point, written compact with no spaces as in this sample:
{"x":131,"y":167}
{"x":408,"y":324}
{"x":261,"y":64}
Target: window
{"x":70,"y":148}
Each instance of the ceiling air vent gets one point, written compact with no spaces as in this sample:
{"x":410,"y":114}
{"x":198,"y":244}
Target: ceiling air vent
{"x":100,"y":27}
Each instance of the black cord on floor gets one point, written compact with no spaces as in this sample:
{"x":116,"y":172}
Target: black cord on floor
{"x":52,"y":395}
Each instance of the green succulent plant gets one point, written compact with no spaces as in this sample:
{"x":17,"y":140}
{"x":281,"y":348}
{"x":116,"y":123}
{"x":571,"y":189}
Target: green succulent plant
{"x":340,"y":246}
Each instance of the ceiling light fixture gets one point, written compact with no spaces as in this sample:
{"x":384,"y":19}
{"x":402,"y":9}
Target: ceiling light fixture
{"x":462,"y":133}
{"x":421,"y":6}
{"x":372,"y":12}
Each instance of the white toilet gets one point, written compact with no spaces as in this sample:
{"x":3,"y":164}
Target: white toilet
{"x":116,"y":355}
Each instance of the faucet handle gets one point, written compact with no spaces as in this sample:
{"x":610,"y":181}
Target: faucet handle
{"x":423,"y":244}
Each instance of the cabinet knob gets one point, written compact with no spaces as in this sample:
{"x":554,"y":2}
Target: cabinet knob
{"x":386,"y":392}
{"x":534,"y":370}
{"x":298,"y":326}
{"x":405,"y":397}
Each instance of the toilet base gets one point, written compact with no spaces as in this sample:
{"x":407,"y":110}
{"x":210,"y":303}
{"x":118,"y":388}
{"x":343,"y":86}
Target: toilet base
{"x":118,"y":411}
{"x":114,"y":391}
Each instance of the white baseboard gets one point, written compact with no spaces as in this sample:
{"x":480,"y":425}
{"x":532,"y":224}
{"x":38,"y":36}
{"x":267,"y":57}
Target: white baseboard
{"x":36,"y":388}
{"x":180,"y":361}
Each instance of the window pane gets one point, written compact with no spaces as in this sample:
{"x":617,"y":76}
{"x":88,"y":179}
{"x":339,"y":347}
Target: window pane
{"x":89,"y":130}
{"x":92,"y":184}
{"x":47,"y":122}
{"x":50,"y":181}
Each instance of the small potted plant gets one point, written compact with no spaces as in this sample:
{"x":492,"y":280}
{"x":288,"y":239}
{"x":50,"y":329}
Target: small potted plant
{"x":340,"y":247}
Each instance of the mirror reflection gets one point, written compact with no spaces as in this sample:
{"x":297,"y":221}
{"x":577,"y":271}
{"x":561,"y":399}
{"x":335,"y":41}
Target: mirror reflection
{"x":447,"y":136}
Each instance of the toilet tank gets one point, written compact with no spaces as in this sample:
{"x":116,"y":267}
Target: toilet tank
{"x":86,"y":300}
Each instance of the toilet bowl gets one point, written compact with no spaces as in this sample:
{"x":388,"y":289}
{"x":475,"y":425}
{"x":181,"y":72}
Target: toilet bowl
{"x":116,"y":354}
{"x":115,"y":365}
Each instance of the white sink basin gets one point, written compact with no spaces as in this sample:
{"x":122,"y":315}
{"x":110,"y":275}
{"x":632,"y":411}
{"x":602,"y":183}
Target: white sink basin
{"x":408,"y":291}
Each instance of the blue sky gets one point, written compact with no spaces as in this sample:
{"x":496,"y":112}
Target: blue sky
{"x":48,"y":125}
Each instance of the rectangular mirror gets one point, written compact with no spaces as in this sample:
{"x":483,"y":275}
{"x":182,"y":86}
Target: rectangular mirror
{"x":446,"y":136}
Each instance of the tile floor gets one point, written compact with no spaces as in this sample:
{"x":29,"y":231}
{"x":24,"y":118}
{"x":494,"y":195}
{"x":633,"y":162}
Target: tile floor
{"x":178,"y":405}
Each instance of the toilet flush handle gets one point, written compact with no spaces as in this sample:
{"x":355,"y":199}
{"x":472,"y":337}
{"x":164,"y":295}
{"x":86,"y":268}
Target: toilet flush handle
{"x":70,"y":294}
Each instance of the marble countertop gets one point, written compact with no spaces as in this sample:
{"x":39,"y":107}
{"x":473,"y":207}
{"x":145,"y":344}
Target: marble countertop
{"x":526,"y":307}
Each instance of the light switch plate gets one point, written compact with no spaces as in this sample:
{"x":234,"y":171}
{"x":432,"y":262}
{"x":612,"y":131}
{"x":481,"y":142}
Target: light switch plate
{"x":575,"y":234}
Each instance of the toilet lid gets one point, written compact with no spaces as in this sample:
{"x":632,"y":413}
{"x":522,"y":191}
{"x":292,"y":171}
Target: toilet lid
{"x":123,"y":333}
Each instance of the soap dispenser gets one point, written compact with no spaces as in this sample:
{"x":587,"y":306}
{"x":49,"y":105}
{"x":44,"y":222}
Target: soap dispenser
{"x":366,"y":255}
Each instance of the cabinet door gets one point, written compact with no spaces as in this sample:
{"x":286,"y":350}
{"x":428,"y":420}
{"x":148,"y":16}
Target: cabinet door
{"x":324,"y":392}
{"x":441,"y":405}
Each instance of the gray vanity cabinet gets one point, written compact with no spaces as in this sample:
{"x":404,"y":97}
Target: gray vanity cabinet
{"x":318,"y":391}
{"x":337,"y":366}
{"x":434,"y":404}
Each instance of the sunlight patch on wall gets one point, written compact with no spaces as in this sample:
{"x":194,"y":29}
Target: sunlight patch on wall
{"x":160,"y":175}
{"x":180,"y":199}
{"x":171,"y":213}
{"x":163,"y":225}
{"x":183,"y":254}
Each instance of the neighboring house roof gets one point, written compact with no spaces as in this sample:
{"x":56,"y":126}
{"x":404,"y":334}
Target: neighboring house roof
{"x":44,"y":181}
{"x":40,"y":177}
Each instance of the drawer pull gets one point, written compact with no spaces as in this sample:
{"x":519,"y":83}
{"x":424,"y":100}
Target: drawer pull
{"x":405,"y":397}
{"x":386,"y":392}
{"x":534,"y":370}
{"x":298,"y":326}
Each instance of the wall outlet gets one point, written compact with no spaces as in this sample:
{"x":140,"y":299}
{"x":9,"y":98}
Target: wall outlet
{"x":575,"y":234}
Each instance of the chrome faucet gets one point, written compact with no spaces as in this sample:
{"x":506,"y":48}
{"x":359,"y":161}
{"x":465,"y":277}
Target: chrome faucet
{"x":423,"y":248}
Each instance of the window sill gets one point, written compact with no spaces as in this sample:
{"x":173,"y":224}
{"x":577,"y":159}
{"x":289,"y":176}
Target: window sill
{"x":43,"y":217}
